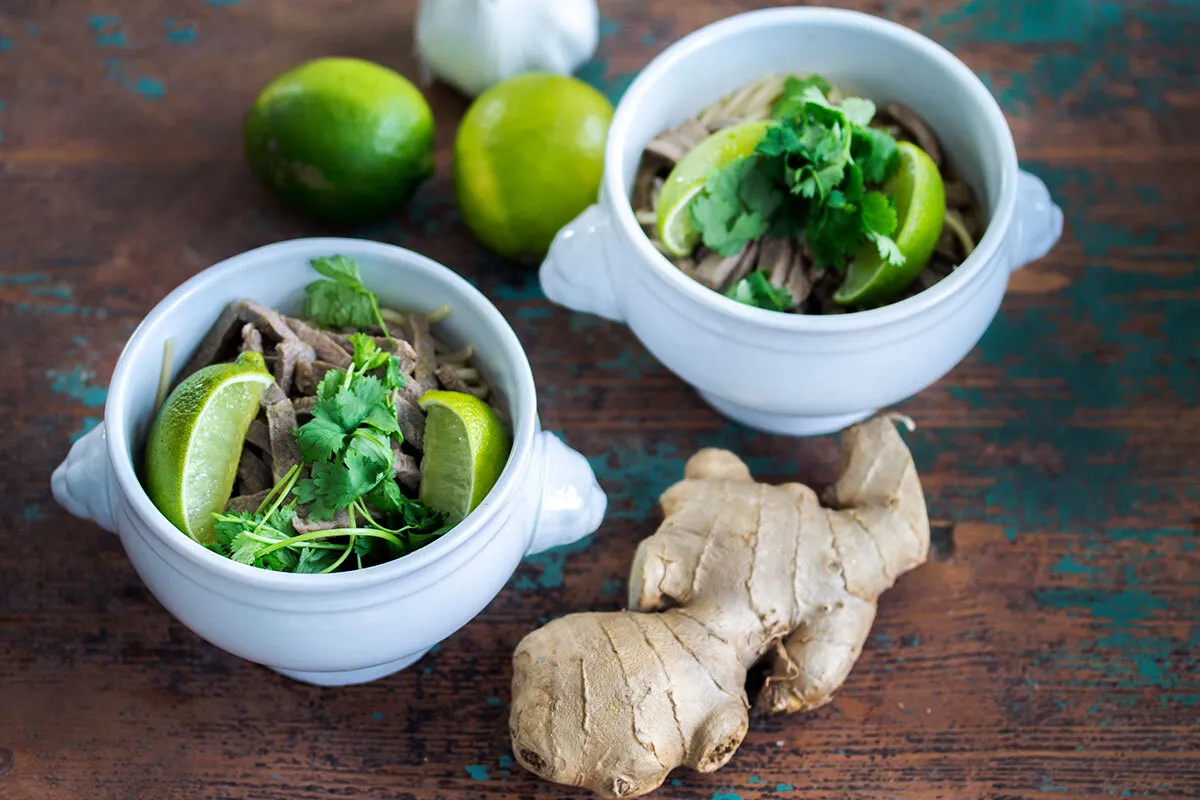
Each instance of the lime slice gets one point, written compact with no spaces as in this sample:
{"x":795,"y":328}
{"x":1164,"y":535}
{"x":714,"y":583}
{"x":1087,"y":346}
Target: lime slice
{"x":196,"y":440}
{"x":466,"y":447}
{"x":688,"y":177}
{"x":920,"y":198}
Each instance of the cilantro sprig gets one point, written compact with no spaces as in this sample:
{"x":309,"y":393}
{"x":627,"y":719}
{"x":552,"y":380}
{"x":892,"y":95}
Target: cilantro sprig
{"x":341,"y":301}
{"x":809,"y":175}
{"x":757,"y":290}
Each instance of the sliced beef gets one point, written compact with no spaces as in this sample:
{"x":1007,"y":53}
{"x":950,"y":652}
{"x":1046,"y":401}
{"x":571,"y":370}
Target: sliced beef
{"x":411,"y":419}
{"x":674,"y":144}
{"x":321,"y":342}
{"x":253,"y":474}
{"x":916,"y":128}
{"x":229,"y":324}
{"x":309,"y":375}
{"x":407,"y":470}
{"x":290,"y":352}
{"x":304,"y":405}
{"x":718,"y":272}
{"x":304,"y":524}
{"x":281,"y":421}
{"x":416,"y":331}
{"x":449,"y":379}
{"x":259,"y":436}
{"x":776,"y":257}
{"x":251,"y":338}
{"x":246,"y":503}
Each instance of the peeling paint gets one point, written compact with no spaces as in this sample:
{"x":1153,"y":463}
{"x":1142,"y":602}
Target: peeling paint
{"x":76,"y":384}
{"x":477,"y":772}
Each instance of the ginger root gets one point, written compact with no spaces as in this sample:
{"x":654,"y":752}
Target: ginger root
{"x":737,"y":571}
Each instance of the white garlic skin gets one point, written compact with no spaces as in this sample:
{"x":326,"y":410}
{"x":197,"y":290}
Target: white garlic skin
{"x":475,"y":44}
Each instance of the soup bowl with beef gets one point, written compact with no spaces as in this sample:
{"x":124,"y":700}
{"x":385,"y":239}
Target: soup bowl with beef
{"x":807,"y":214}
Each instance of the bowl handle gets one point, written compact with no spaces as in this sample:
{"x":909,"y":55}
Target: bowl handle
{"x":572,"y":502}
{"x":1037,"y":224}
{"x":81,"y":482}
{"x":576,"y":271}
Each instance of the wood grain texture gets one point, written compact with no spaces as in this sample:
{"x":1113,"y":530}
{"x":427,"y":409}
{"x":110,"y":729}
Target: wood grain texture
{"x":1052,"y":647}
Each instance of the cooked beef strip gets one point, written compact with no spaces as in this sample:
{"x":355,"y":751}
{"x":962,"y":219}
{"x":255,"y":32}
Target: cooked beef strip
{"x":775,"y":256}
{"x":281,"y":421}
{"x":304,"y":405}
{"x":229,"y":324}
{"x":246,"y":503}
{"x":416,"y":331}
{"x":259,"y":436}
{"x":309,"y":375}
{"x":798,"y":283}
{"x":251,"y":338}
{"x":253,"y":473}
{"x":919,"y":131}
{"x":303,"y":524}
{"x":326,"y":348}
{"x":717,"y":272}
{"x":959,"y":194}
{"x":411,"y":419}
{"x":674,"y":144}
{"x":407,"y":470}
{"x":450,"y":379}
{"x":290,"y":352}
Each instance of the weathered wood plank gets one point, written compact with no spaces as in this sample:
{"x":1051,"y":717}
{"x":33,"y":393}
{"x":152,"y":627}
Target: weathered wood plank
{"x":1050,"y":649}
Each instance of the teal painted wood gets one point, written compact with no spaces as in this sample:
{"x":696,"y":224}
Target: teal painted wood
{"x":1050,"y":649}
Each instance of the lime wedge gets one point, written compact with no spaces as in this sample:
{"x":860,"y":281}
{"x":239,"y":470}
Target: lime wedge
{"x":195,"y":442}
{"x":920,"y":198}
{"x":466,"y":447}
{"x":688,"y":177}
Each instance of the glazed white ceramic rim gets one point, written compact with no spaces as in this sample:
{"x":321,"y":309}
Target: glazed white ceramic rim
{"x":144,"y":351}
{"x":985,"y":252}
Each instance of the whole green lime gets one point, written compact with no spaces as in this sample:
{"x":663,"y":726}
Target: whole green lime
{"x":341,"y":139}
{"x":528,"y":159}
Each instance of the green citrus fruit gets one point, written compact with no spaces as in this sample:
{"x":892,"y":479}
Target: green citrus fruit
{"x":466,"y":447}
{"x":196,"y":440}
{"x":341,"y":139}
{"x":920,"y":197}
{"x":528,"y":159}
{"x":689,"y":175}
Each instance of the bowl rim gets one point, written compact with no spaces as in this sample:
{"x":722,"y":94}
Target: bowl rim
{"x":984,"y":255}
{"x":134,"y":355}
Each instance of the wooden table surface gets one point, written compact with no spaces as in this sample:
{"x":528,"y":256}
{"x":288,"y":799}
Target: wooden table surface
{"x":1050,"y":647}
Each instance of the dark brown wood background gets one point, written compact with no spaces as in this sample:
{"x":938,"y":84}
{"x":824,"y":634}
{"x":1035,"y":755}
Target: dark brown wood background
{"x":1050,"y":648}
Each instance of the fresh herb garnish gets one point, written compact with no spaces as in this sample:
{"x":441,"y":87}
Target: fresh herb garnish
{"x":348,"y":450}
{"x":809,"y":175}
{"x":757,"y":290}
{"x":341,"y":301}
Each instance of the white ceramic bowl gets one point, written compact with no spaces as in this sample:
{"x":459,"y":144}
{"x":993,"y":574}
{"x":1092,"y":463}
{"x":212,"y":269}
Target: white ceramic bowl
{"x":345,"y":627}
{"x":789,"y":373}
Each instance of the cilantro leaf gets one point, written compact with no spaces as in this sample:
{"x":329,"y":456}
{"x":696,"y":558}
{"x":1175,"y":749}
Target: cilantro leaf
{"x":889,"y":251}
{"x":859,"y":110}
{"x":791,"y":101}
{"x":315,"y":560}
{"x":393,"y":378}
{"x":367,"y":354}
{"x":879,"y":214}
{"x":334,"y":305}
{"x":321,"y":437}
{"x":876,"y":152}
{"x":735,"y":206}
{"x":331,"y":488}
{"x":340,"y":269}
{"x":756,"y":290}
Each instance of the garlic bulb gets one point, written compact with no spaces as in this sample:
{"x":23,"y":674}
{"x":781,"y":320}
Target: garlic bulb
{"x":473,"y":44}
